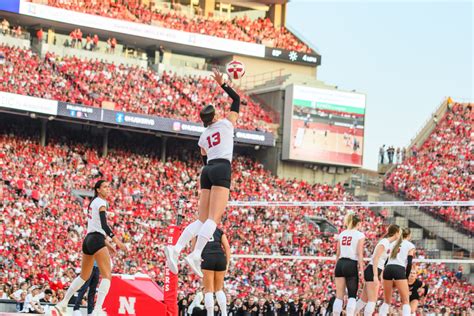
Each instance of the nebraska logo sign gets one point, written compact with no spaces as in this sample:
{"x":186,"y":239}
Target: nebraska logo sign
{"x":127,"y":305}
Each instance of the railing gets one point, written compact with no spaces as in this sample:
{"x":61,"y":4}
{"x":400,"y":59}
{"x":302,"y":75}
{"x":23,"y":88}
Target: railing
{"x":249,"y":82}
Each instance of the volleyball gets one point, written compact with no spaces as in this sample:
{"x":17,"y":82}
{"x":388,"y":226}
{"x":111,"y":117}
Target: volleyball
{"x":235,"y":69}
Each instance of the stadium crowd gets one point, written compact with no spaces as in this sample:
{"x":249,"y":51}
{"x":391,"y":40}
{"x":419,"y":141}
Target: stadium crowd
{"x":37,"y":205}
{"x":260,"y":30}
{"x":440,"y":169}
{"x":130,"y":88}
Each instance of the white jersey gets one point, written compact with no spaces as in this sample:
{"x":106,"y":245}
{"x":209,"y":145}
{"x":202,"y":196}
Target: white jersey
{"x":402,"y":256}
{"x":388,"y":246}
{"x":348,"y":241}
{"x":218,"y":140}
{"x":93,"y":222}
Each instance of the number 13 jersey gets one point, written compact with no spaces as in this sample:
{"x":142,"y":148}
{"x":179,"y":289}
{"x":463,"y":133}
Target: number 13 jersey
{"x":348,"y":241}
{"x":218,"y":140}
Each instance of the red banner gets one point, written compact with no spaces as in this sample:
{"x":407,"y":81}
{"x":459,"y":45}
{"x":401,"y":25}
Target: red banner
{"x":134,"y":295}
{"x":171,"y":279}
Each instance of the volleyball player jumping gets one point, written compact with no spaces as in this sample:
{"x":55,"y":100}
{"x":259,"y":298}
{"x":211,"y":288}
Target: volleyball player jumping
{"x":95,"y":247}
{"x":374,"y":270}
{"x":349,"y":258}
{"x":217,"y":145}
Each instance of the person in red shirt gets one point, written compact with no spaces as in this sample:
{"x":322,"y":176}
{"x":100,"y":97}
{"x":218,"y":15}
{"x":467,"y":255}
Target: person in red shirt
{"x":95,"y":41}
{"x":39,"y":35}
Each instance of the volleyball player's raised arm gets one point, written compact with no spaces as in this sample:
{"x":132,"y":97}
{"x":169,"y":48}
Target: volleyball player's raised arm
{"x":235,"y":107}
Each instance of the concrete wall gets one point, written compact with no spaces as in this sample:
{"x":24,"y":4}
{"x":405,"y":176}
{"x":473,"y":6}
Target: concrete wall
{"x":13,"y":41}
{"x":85,"y":54}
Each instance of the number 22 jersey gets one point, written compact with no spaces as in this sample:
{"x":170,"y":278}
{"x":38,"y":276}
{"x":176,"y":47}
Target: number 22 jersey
{"x":218,"y":140}
{"x":348,"y":241}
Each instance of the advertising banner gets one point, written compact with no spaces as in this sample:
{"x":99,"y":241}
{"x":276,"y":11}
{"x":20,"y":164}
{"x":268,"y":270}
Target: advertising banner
{"x":27,"y":103}
{"x":171,"y":279}
{"x":22,"y":103}
{"x":134,"y":295}
{"x":79,"y":111}
{"x":292,"y":56}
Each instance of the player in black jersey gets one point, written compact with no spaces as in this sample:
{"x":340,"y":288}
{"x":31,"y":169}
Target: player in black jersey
{"x":417,"y":289}
{"x":215,"y":262}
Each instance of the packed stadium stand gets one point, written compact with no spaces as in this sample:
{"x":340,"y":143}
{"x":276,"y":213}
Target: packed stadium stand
{"x":49,"y":164}
{"x":38,"y":205}
{"x":91,"y":82}
{"x":244,"y":29}
{"x":439,"y":169}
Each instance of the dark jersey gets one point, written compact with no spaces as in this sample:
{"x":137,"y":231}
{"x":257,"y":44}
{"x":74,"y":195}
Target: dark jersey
{"x":284,"y":309}
{"x":214,"y":246}
{"x":414,"y":295}
{"x":296,"y":309}
{"x":263,"y":310}
{"x":236,"y":311}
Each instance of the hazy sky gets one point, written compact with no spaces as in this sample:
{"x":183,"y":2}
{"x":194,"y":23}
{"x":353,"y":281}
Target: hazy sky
{"x":407,"y":56}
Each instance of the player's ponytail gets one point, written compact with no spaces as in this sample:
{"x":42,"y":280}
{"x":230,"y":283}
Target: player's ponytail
{"x":351,"y":220}
{"x":405,"y":233}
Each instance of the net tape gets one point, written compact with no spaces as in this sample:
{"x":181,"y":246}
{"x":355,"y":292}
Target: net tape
{"x":350,"y":203}
{"x":322,"y":258}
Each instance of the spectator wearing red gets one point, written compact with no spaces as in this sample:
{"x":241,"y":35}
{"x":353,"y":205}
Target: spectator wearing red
{"x":39,"y":35}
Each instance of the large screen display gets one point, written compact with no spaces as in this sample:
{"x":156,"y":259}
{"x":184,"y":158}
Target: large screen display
{"x":10,"y":5}
{"x":323,"y":126}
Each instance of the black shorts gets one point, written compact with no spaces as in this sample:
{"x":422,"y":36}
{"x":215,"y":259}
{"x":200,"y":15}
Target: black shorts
{"x":217,"y":172}
{"x":346,"y":268}
{"x":93,"y":243}
{"x":394,"y":272}
{"x":214,"y":261}
{"x":414,"y":296}
{"x":369,"y":273}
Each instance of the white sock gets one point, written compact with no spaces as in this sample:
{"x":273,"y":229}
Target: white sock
{"x":351,"y":306}
{"x":337,"y":307}
{"x":384,"y":309}
{"x":206,"y":232}
{"x":222,"y":302}
{"x":75,"y":286}
{"x":406,"y":310}
{"x":413,"y":314}
{"x":102,"y":293}
{"x":369,"y":309}
{"x":188,"y":233}
{"x":360,"y":305}
{"x":209,"y":303}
